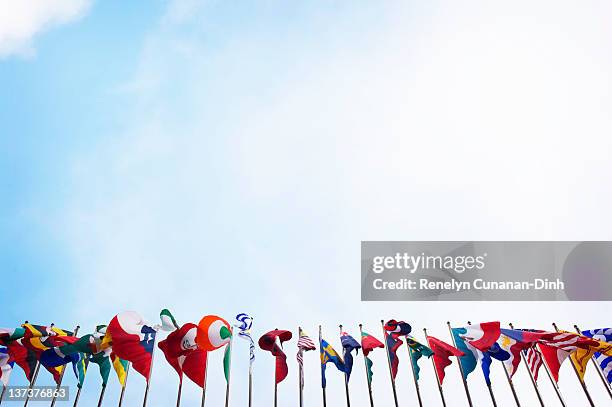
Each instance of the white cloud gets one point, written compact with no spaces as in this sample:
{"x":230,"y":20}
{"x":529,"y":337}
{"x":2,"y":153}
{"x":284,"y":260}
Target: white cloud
{"x":22,"y":20}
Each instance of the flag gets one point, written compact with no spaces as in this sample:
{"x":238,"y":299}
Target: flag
{"x":11,"y":334}
{"x":80,"y":368}
{"x":397,"y":328}
{"x":494,"y":352}
{"x":244,"y":325}
{"x":582,"y":356}
{"x":368,"y":344}
{"x":329,"y":354}
{"x":393,"y":344}
{"x":6,"y":366}
{"x":169,"y":324}
{"x":227,"y":354}
{"x":213,"y":333}
{"x":25,"y":358}
{"x":469,"y":358}
{"x":556,"y":347}
{"x":102,"y":359}
{"x":38,"y":331}
{"x":604,"y":361}
{"x":132,"y":340}
{"x":442,"y":352}
{"x":273,"y":342}
{"x":515,"y":341}
{"x":304,"y":345}
{"x":481,"y":336}
{"x":182,"y":353}
{"x":121,"y":367}
{"x":349,"y":344}
{"x":534,"y":361}
{"x":417,"y":351}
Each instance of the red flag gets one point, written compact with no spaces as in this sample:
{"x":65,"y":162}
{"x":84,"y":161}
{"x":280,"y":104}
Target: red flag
{"x":132,"y":340}
{"x":182,"y":353}
{"x":273,"y":342}
{"x":369,"y":343}
{"x":442,"y":353}
{"x":556,"y":347}
{"x":24,"y":357}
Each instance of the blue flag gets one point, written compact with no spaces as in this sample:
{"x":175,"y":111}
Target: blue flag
{"x":468,"y":360}
{"x":495,"y":352}
{"x":349,"y":344}
{"x":329,"y":354}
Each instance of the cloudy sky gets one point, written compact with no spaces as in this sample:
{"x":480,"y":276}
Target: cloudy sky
{"x":223,"y":157}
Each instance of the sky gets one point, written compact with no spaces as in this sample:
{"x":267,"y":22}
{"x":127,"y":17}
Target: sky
{"x":220,"y":157}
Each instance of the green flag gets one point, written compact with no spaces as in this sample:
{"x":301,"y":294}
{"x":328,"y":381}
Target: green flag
{"x":227,"y":360}
{"x":417,"y":351}
{"x":103,"y":361}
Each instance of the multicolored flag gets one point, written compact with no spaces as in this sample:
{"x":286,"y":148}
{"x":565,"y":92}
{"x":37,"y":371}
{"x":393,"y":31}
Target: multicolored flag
{"x":329,"y":354}
{"x":6,"y":366}
{"x":557,"y":347}
{"x":393,"y":344}
{"x":25,"y":358}
{"x":11,"y":334}
{"x":121,"y":368}
{"x":244,"y":325}
{"x":304,"y":344}
{"x":132,"y":340}
{"x":397,"y":328}
{"x":368,"y":344}
{"x":469,"y":358}
{"x":481,"y":336}
{"x":442,"y":352}
{"x":349,"y":344}
{"x":273,"y":343}
{"x":494,"y":352}
{"x":417,"y":351}
{"x":213,"y":333}
{"x":102,"y":359}
{"x":182,"y":353}
{"x":604,"y":361}
{"x":533,"y":357}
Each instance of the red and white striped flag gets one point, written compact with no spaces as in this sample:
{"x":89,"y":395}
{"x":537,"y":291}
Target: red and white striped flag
{"x":534,"y":361}
{"x":304,"y":344}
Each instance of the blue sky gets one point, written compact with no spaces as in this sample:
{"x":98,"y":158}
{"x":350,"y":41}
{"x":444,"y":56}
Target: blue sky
{"x":224,"y":158}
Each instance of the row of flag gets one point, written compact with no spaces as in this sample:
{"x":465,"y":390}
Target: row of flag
{"x":128,"y":342}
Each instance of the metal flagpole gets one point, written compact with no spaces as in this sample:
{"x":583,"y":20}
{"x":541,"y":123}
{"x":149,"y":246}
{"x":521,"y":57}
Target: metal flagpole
{"x":582,"y":383}
{"x":321,"y":351}
{"x":599,"y":371}
{"x":34,"y":376}
{"x":229,"y":369}
{"x":300,"y":375}
{"x":275,"y":384}
{"x":346,"y":377}
{"x":511,"y":383}
{"x":365,"y":362}
{"x":101,"y":395}
{"x":80,"y":386}
{"x":127,"y":371}
{"x":2,"y":394}
{"x":382,"y":322}
{"x":489,"y":386}
{"x":180,"y":389}
{"x":435,"y":371}
{"x":533,"y":381}
{"x":465,"y":385}
{"x":146,"y":394}
{"x":61,"y":378}
{"x":416,"y":382}
{"x":250,"y":374}
{"x":205,"y":379}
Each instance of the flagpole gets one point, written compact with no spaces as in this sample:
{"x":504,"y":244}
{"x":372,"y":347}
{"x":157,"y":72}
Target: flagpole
{"x":365,"y":363}
{"x":180,"y":389}
{"x":599,"y":371}
{"x":489,"y":385}
{"x":146,"y":394}
{"x":34,"y":376}
{"x":435,"y":371}
{"x":205,"y":380}
{"x":582,"y":383}
{"x":61,"y":378}
{"x":80,"y":386}
{"x":416,"y":382}
{"x":127,"y":371}
{"x":300,"y":375}
{"x":382,"y":322}
{"x":465,"y":385}
{"x":533,"y":381}
{"x":511,"y":383}
{"x":321,"y":351}
{"x":250,"y":372}
{"x":346,"y":376}
{"x":2,"y":394}
{"x":101,"y":395}
{"x":229,"y":369}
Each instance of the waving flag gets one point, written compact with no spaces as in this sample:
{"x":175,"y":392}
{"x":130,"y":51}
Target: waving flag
{"x":329,"y":354}
{"x":102,"y":359}
{"x":494,"y":352}
{"x":534,"y":361}
{"x":604,"y":361}
{"x":397,"y":328}
{"x":417,"y":351}
{"x":121,"y":368}
{"x":6,"y":366}
{"x":582,"y":356}
{"x":349,"y":344}
{"x":442,"y":352}
{"x":481,"y":336}
{"x":273,"y":343}
{"x":304,"y":345}
{"x":368,"y":344}
{"x":132,"y":340}
{"x":11,"y":334}
{"x":470,"y":356}
{"x":25,"y":358}
{"x":213,"y":333}
{"x":182,"y":353}
{"x":555,"y":349}
{"x":393,"y":344}
{"x":244,"y":325}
